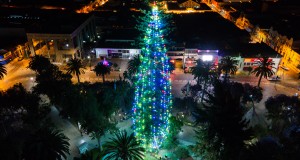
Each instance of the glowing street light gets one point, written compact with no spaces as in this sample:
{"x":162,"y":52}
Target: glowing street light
{"x":32,"y":81}
{"x":89,"y":57}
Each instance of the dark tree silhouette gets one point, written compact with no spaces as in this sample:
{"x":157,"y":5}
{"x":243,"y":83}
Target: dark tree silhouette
{"x":267,"y":148}
{"x":46,"y":144}
{"x":222,"y":132}
{"x":133,"y":65}
{"x":202,"y":72}
{"x":39,"y":64}
{"x":76,"y":67}
{"x":52,"y":82}
{"x":228,"y":65}
{"x":283,"y":111}
{"x":264,"y":69}
{"x":2,"y":71}
{"x":102,"y":69}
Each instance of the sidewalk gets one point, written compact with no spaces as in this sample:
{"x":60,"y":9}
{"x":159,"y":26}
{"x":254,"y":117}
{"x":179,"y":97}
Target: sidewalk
{"x":288,"y":80}
{"x":75,"y":139}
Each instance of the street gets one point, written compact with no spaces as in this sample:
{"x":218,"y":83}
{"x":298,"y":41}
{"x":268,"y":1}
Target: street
{"x":17,"y":72}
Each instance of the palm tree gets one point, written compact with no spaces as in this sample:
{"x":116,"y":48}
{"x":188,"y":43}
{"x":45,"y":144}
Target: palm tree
{"x":46,"y":144}
{"x":264,"y":69}
{"x":134,"y":64}
{"x":102,"y":69}
{"x":123,"y":147}
{"x":200,"y":71}
{"x":203,"y":72}
{"x":2,"y":71}
{"x":228,"y":65}
{"x":76,"y":67}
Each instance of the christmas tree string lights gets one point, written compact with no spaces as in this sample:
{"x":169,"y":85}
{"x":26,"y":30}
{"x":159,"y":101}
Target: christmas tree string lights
{"x":153,"y":99}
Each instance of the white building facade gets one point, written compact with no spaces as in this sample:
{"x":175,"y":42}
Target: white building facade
{"x":124,"y":53}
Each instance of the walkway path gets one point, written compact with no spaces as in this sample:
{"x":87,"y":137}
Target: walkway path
{"x":70,"y":131}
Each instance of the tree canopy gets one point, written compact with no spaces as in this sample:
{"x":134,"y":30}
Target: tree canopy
{"x":75,"y":66}
{"x":123,"y":146}
{"x":222,"y":133}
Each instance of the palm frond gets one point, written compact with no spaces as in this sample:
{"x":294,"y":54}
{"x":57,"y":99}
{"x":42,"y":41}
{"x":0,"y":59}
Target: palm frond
{"x":2,"y":71}
{"x":123,"y":146}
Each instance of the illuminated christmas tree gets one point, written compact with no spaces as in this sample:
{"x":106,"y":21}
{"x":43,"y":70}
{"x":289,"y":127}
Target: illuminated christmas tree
{"x":152,"y":100}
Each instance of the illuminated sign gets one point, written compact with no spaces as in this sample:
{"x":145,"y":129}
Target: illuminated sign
{"x":207,"y":57}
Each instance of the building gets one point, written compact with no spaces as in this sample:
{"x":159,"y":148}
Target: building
{"x":13,"y":42}
{"x":189,"y":56}
{"x":56,"y":34}
{"x":118,"y":43}
{"x":123,"y":53}
{"x":186,"y":6}
{"x":62,"y":38}
{"x":274,"y":23}
{"x":247,"y":55}
{"x":189,"y":3}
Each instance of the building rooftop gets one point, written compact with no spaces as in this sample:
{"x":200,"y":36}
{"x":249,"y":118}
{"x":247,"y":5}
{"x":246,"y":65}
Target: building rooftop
{"x":45,"y":4}
{"x":203,"y":6}
{"x":41,"y":21}
{"x":120,"y":19}
{"x":122,"y":34}
{"x":207,"y":30}
{"x":182,"y":1}
{"x":11,"y":42}
{"x":251,"y":50}
{"x":116,"y":44}
{"x":258,"y":49}
{"x":119,"y":38}
{"x":198,"y":30}
{"x":174,"y":6}
{"x":283,"y":15}
{"x":287,"y":25}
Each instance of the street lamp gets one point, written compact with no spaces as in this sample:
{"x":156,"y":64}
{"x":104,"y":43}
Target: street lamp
{"x":253,"y":106}
{"x":89,"y":57}
{"x":31,"y":79}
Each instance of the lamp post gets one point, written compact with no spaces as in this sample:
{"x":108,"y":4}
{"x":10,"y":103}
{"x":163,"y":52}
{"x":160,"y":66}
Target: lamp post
{"x":31,"y":79}
{"x":253,"y":106}
{"x":89,"y":57}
